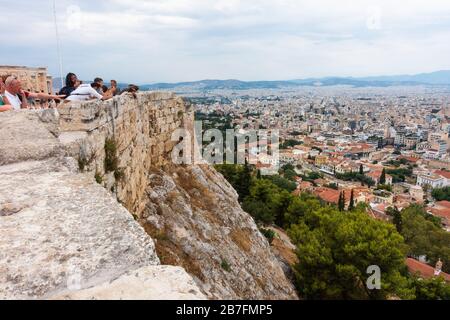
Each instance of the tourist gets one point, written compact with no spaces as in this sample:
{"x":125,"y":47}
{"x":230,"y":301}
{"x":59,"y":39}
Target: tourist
{"x":114,"y":88}
{"x":4,"y":103}
{"x":71,"y":84}
{"x":18,"y":98}
{"x":131,"y":89}
{"x":88,"y":92}
{"x":100,"y":82}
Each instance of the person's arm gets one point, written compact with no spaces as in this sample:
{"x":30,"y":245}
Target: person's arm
{"x":24,"y":104}
{"x":44,"y":96}
{"x":108,"y":95}
{"x":5,"y":107}
{"x":97,"y":95}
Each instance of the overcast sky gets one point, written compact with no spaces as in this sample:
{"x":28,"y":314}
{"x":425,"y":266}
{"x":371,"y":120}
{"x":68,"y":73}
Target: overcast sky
{"x":145,"y":41}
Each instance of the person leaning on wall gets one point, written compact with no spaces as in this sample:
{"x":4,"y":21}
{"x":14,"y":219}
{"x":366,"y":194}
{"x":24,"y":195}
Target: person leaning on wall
{"x":18,"y":97}
{"x":4,"y":103}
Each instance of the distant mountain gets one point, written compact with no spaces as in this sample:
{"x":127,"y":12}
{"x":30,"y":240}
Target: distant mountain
{"x":437,"y":78}
{"x":434,"y":78}
{"x":220,"y":84}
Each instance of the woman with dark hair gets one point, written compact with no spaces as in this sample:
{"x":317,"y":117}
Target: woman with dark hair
{"x":71,"y":82}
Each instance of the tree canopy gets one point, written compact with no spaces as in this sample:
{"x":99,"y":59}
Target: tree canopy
{"x":441,"y":194}
{"x":335,"y":249}
{"x":424,"y":236}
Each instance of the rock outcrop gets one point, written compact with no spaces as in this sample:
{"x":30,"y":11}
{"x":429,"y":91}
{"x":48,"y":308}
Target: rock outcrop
{"x":91,"y":205}
{"x":195,"y":218}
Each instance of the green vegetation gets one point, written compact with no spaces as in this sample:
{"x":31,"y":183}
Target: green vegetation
{"x":386,"y":187}
{"x":288,"y":172}
{"x":397,"y":163}
{"x":268,"y":233}
{"x":111,"y":159}
{"x":430,"y":289}
{"x":332,"y":186}
{"x":239,"y":176}
{"x":356,"y":176}
{"x":341,"y":201}
{"x":335,"y":248}
{"x":424,"y":236}
{"x":351,"y":206}
{"x":214,"y":120}
{"x":383,"y":176}
{"x":225,"y":265}
{"x":281,"y":182}
{"x":400,"y":174}
{"x":396,"y":217}
{"x":311,"y":176}
{"x":289,"y":143}
{"x":98,"y":178}
{"x":440,"y":194}
{"x":266,"y":202}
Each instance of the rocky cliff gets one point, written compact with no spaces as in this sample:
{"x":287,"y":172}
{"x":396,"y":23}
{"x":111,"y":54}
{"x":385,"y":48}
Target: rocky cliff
{"x":91,"y":205}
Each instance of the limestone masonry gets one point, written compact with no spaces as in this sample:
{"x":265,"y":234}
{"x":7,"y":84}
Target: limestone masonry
{"x":91,"y":207}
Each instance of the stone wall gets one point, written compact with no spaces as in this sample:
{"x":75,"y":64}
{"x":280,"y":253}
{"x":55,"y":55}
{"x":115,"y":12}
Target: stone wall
{"x":140,"y":127}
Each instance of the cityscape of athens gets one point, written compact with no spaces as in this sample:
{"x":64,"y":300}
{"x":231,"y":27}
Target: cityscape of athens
{"x":233,"y":151}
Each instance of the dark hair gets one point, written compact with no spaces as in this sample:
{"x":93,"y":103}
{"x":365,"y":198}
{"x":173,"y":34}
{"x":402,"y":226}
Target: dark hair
{"x":104,"y":88}
{"x":69,"y":82}
{"x":98,"y":80}
{"x":95,"y":85}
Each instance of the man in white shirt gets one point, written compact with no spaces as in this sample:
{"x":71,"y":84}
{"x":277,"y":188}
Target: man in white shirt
{"x":14,"y":89}
{"x":86,"y":92}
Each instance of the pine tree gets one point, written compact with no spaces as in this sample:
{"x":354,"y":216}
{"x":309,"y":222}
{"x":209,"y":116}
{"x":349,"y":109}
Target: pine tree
{"x":352,"y":201}
{"x":341,"y":202}
{"x":397,"y":219}
{"x":361,"y":169}
{"x":383,"y":177}
{"x":244,"y":181}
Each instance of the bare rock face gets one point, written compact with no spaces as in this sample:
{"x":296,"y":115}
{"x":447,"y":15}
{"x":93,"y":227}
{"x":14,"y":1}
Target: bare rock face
{"x":25,"y":137}
{"x":62,"y":231}
{"x":196,"y":221}
{"x":148,"y":283}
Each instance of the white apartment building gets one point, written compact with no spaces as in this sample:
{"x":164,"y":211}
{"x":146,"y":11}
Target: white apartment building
{"x":431,"y":179}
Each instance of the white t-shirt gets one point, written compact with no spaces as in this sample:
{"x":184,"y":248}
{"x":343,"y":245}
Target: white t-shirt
{"x":84,"y":92}
{"x":13,"y":100}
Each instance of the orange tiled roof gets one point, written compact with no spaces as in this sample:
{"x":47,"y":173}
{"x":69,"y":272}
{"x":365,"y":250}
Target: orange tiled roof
{"x":377,"y":174}
{"x":327,"y":194}
{"x":443,"y":203}
{"x":426,"y":271}
{"x":410,"y":159}
{"x":445,"y":174}
{"x":443,"y":213}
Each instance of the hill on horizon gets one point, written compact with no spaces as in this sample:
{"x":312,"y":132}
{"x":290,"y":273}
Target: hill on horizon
{"x":434,"y":78}
{"x":437,"y":78}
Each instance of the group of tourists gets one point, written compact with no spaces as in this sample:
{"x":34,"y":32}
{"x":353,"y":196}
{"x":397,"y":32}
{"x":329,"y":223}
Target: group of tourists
{"x":13,"y":97}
